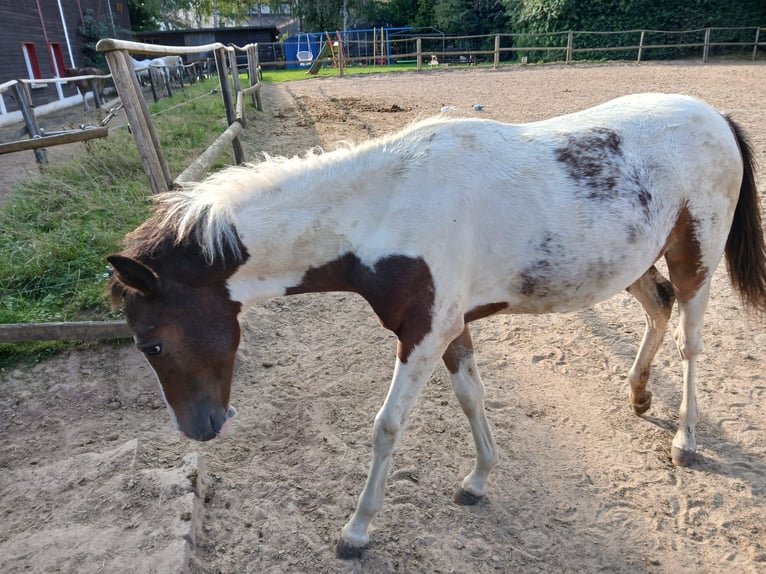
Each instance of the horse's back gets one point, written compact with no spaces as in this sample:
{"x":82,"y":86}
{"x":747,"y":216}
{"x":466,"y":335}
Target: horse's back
{"x":559,"y":214}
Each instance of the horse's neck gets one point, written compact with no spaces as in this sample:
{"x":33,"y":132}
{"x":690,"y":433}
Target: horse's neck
{"x":303,"y":225}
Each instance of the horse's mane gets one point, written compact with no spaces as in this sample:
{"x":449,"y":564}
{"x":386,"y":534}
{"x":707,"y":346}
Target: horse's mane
{"x":185,"y":217}
{"x":202,"y":214}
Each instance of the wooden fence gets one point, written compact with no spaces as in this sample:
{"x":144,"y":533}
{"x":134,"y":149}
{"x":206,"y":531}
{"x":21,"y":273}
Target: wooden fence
{"x":38,"y":140}
{"x":439,"y":49}
{"x":125,"y":81}
{"x":152,"y":158}
{"x":155,"y":166}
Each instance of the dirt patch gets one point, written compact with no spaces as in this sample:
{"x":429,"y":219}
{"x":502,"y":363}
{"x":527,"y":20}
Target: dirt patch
{"x":583,"y":485}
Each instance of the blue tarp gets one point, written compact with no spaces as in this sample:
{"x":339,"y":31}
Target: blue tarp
{"x":301,"y":43}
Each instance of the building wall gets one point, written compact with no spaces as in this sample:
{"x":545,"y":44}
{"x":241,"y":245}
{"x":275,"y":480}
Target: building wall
{"x":38,"y":23}
{"x":238,"y":36}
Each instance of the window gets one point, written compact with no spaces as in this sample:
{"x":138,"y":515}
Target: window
{"x":33,"y":65}
{"x":57,"y":59}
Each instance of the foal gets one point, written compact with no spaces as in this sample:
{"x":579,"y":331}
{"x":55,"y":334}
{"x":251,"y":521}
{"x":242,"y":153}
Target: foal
{"x":442,"y":224}
{"x":95,"y":85}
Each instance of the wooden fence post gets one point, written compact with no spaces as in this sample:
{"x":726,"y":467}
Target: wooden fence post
{"x":126,"y":83}
{"x":232,"y":53}
{"x":419,"y":53}
{"x":570,"y":42}
{"x":220,"y":63}
{"x":706,"y":47}
{"x":152,"y":83}
{"x":496,"y":61}
{"x":341,"y":54}
{"x":22,"y":96}
{"x":640,"y":46}
{"x":257,"y":66}
{"x":252,"y":71}
{"x":755,"y":46}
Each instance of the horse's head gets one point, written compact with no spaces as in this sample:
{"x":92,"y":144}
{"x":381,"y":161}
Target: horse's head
{"x":183,"y":320}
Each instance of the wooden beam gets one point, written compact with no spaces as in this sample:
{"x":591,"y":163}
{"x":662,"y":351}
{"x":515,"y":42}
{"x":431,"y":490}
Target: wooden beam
{"x":58,"y":139}
{"x":140,"y":122}
{"x":200,"y":166}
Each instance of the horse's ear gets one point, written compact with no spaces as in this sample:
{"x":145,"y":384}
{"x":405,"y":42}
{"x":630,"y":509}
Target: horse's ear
{"x":134,"y":274}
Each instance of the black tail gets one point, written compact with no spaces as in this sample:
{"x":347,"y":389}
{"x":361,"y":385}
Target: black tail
{"x":745,"y":249}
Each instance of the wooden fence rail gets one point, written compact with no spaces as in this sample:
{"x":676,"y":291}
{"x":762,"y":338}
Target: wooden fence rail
{"x":38,"y":140}
{"x":155,"y":166}
{"x":152,"y":158}
{"x":495,"y":46}
{"x":77,"y":331}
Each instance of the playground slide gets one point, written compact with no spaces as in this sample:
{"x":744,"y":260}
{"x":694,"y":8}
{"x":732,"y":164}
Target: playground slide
{"x":324,"y":53}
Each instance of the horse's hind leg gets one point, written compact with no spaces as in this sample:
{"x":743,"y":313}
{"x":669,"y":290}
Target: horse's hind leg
{"x":688,"y":338}
{"x":656,"y":296}
{"x":464,"y":374}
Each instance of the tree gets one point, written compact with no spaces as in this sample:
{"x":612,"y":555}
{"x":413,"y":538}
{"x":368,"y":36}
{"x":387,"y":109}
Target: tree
{"x":174,"y":14}
{"x":538,"y":16}
{"x":469,"y":17}
{"x":92,"y":30}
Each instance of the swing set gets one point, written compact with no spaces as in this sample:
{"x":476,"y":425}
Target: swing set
{"x":304,"y":56}
{"x":367,"y":47}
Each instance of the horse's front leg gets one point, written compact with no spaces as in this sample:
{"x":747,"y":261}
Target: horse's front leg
{"x":408,"y":380}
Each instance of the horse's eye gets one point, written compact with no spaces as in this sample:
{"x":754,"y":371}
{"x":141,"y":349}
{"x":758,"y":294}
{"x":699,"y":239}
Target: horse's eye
{"x":151,"y":350}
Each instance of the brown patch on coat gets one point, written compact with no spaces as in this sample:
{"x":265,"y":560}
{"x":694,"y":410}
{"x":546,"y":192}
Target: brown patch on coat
{"x":458,"y":350}
{"x":534,"y":281}
{"x":592,"y":158}
{"x":482,"y":311}
{"x":400,"y":289}
{"x":683,"y":254}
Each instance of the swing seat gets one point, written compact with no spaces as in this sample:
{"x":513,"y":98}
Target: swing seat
{"x":305,"y":57}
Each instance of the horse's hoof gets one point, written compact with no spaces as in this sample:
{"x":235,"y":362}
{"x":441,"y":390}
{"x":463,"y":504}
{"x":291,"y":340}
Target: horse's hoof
{"x":346,"y":551}
{"x":681,"y":457}
{"x":641,"y":408}
{"x":465,"y":498}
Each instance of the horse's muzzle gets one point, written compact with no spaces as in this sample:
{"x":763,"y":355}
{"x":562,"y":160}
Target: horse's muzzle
{"x":211,"y":425}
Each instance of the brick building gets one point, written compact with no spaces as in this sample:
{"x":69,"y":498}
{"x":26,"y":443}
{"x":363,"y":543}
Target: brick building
{"x":39,"y":38}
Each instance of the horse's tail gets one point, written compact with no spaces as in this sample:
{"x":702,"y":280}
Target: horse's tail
{"x":745,"y":248}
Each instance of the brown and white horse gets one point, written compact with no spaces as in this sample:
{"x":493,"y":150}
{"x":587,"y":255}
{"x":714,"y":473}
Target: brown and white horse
{"x":85,"y":85}
{"x":439,"y":225}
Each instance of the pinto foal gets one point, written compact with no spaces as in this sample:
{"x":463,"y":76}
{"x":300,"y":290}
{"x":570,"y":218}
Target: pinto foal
{"x":444,"y":223}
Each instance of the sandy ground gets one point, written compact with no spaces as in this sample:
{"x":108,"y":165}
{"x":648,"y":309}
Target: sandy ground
{"x":93,"y":479}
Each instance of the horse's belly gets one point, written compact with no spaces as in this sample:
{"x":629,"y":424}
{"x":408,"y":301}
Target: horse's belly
{"x":569,"y":287}
{"x":561,"y":301}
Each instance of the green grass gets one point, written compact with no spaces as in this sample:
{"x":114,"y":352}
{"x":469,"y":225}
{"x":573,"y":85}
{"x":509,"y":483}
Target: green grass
{"x":276,"y":76}
{"x":58,"y":228}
